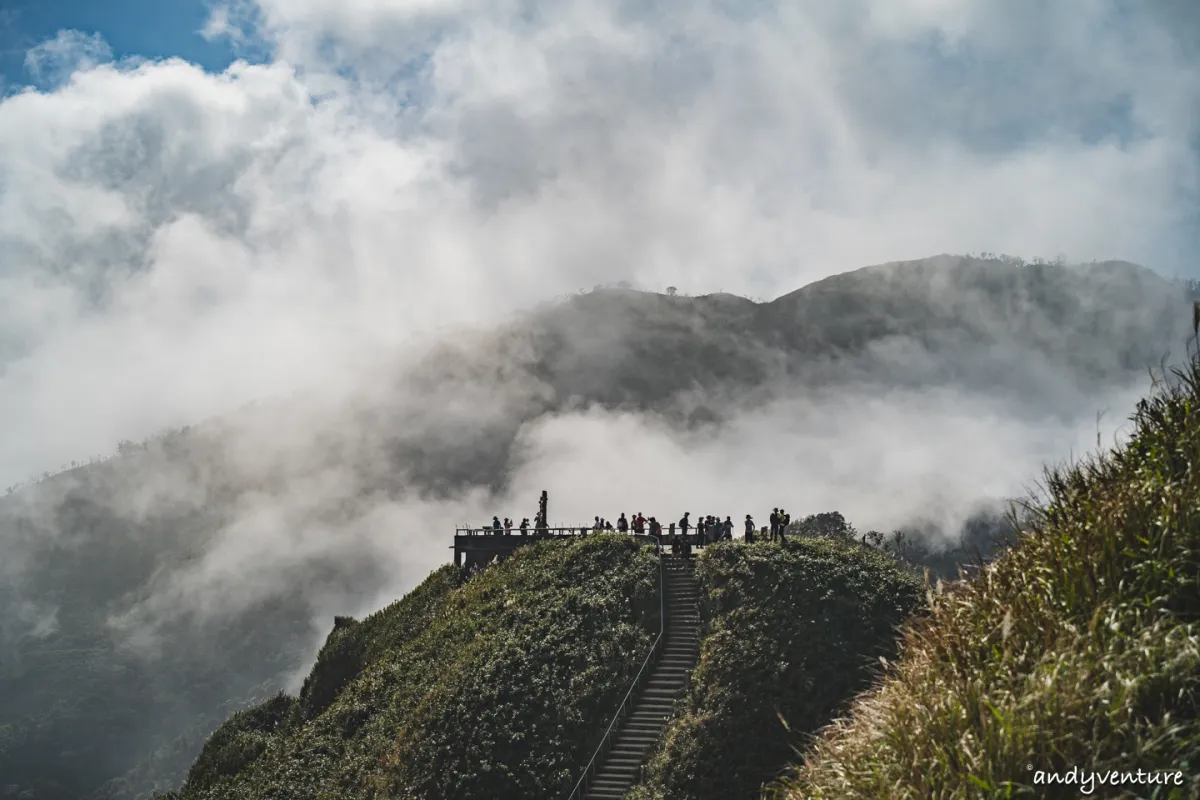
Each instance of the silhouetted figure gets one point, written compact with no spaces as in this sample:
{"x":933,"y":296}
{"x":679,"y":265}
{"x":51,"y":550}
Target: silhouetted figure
{"x":496,"y":526}
{"x":596,"y":524}
{"x":774,"y":523}
{"x":639,"y":523}
{"x":728,"y":529}
{"x":525,"y":526}
{"x":784,"y":519}
{"x":655,"y":528}
{"x":749,"y":529}
{"x":622,"y":523}
{"x":607,"y":525}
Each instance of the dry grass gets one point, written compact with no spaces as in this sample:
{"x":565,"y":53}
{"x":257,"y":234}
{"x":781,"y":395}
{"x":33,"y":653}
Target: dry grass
{"x":1078,"y":648}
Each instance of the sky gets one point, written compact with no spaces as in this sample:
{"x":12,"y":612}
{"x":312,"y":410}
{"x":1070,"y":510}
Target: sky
{"x":131,"y":28}
{"x":202,"y":204}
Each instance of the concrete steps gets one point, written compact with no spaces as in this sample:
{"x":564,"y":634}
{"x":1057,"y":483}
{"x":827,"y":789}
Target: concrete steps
{"x":679,"y":651}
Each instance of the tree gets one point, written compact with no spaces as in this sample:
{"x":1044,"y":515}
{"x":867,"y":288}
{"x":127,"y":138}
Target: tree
{"x":671,"y":291}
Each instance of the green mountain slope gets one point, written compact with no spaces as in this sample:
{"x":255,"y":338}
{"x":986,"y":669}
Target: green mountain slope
{"x":1079,"y":648}
{"x":491,"y":686}
{"x":793,"y":633}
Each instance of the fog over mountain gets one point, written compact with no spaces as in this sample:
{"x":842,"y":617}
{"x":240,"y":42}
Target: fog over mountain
{"x":202,"y":567}
{"x":351,"y":264}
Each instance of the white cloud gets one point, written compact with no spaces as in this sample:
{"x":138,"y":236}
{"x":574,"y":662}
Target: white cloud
{"x":174,"y":243}
{"x":519,"y":152}
{"x":56,"y":60}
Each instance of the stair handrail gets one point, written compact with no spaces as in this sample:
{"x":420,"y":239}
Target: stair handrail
{"x":581,"y":785}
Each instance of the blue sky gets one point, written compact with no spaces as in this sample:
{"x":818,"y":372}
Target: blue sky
{"x":148,"y":28}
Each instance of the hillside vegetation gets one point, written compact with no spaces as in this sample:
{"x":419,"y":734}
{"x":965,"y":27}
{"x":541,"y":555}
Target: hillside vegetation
{"x":793,"y":633}
{"x":1078,"y":648}
{"x":495,"y":686}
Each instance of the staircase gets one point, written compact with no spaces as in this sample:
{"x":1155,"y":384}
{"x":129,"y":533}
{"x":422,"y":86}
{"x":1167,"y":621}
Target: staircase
{"x":668,"y":680}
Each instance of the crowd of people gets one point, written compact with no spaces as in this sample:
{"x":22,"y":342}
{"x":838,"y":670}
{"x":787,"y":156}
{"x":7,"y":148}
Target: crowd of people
{"x":708,"y":530}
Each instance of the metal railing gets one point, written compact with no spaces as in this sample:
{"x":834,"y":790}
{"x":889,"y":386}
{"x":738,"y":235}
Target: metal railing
{"x":530,"y":531}
{"x":626,"y":704}
{"x":571,"y":530}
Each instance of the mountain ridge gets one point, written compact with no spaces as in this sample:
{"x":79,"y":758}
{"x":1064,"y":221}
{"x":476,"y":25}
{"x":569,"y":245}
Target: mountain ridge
{"x":107,"y":548}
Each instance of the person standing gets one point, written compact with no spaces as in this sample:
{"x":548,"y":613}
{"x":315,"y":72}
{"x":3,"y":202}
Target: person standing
{"x":749,"y":529}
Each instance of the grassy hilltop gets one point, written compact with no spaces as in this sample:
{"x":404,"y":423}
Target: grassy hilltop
{"x":1078,"y":648}
{"x":793,"y":633}
{"x":498,"y":686}
{"x":495,"y":686}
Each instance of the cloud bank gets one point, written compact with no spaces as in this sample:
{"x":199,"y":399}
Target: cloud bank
{"x":175,"y":243}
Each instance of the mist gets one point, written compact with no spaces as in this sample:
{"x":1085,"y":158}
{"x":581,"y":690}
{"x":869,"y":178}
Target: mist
{"x":355,"y":266}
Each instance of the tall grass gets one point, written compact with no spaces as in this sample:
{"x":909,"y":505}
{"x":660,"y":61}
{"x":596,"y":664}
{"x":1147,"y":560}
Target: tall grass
{"x":1078,"y":648}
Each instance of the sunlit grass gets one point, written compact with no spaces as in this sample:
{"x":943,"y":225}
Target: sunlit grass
{"x":1078,"y":648}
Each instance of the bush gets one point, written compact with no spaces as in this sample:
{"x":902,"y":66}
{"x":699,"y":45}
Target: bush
{"x":340,"y":661}
{"x":494,"y":687}
{"x":794,"y":633}
{"x":238,"y":742}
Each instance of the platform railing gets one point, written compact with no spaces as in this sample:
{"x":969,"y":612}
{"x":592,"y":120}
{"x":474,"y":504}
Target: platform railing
{"x":627,"y":703}
{"x":531,"y":531}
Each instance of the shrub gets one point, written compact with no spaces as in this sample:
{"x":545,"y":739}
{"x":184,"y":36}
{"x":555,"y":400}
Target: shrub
{"x":794,"y":633}
{"x":238,"y":742}
{"x":495,"y":685}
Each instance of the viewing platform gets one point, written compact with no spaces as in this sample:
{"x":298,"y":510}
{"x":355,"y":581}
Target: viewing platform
{"x":478,"y":546}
